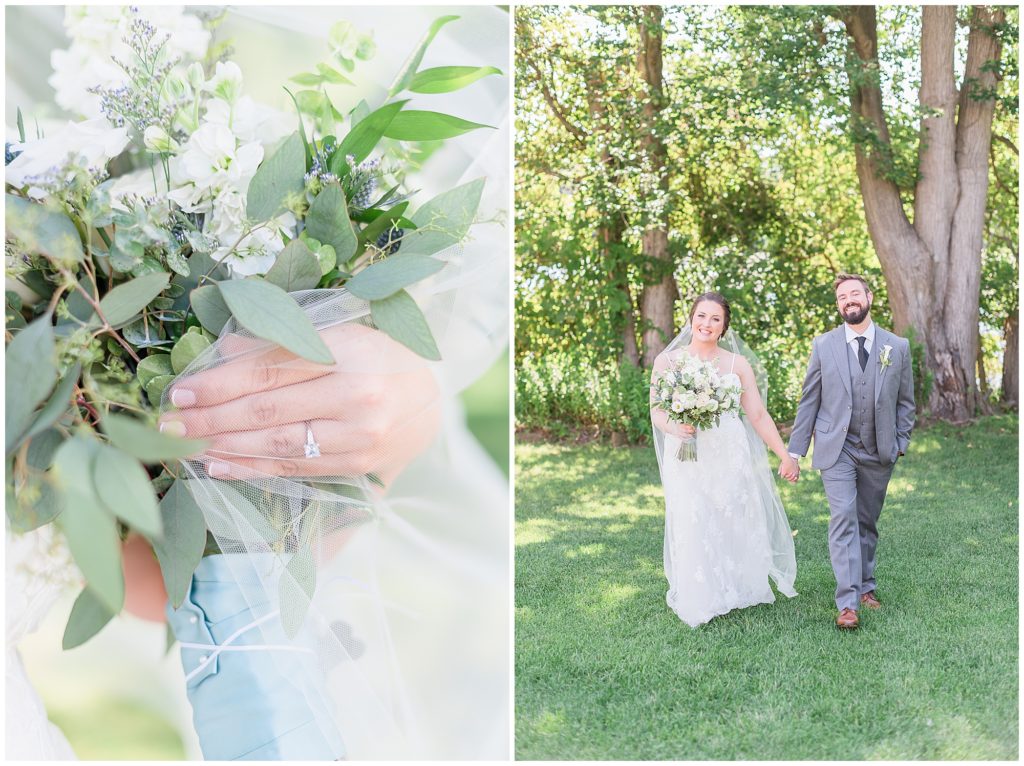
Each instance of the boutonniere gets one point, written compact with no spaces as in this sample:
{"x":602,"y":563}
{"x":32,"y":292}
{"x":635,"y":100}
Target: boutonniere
{"x":885,"y":358}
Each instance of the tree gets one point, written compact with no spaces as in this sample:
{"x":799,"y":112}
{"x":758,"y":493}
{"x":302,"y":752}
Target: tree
{"x":932,"y":264}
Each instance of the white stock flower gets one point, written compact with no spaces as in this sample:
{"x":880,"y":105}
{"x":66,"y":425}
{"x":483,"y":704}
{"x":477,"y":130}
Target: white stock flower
{"x":88,"y":144}
{"x":249,"y":120}
{"x":211,"y":159}
{"x":226,"y":82}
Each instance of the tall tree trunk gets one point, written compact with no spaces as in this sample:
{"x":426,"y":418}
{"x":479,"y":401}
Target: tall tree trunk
{"x":1011,"y":369}
{"x":660,"y":290}
{"x":932,"y":266}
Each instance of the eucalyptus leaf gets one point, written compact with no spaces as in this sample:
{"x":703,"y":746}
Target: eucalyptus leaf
{"x":181,"y":548}
{"x":145,"y":442}
{"x":124,"y":489}
{"x":400,"y":317}
{"x":295,"y":589}
{"x":58,"y":403}
{"x":326,"y":258}
{"x":209,"y":306}
{"x":155,"y":388}
{"x":387,"y":277}
{"x":127,"y":300}
{"x":386,"y":219}
{"x":89,"y":616}
{"x":446,"y":79}
{"x":31,"y":371}
{"x":145,"y":334}
{"x":268,"y":312}
{"x":363,"y":136}
{"x":90,"y":531}
{"x":42,"y":230}
{"x":408,"y":71}
{"x":296,"y":268}
{"x":417,"y":125}
{"x":328,"y":222}
{"x":444,"y":220}
{"x":189,"y":346}
{"x":153,"y":366}
{"x":276,"y":178}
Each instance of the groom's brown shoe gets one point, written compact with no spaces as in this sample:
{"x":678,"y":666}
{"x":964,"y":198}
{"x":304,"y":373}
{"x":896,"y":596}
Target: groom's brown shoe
{"x":870,"y":601}
{"x":847,"y":619}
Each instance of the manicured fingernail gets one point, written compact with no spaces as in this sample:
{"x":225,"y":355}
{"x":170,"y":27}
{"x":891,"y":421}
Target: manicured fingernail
{"x":172,"y":428}
{"x":216,"y":469}
{"x":182,"y":397}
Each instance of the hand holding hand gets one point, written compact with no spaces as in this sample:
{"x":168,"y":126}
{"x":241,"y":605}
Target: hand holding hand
{"x":683,"y":430}
{"x":789,"y":469}
{"x":373,"y":411}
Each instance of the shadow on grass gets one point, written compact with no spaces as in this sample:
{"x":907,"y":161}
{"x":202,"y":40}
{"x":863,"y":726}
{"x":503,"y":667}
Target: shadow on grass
{"x":605,"y":670}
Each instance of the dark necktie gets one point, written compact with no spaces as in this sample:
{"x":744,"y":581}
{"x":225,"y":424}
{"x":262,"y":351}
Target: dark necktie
{"x":862,"y":353}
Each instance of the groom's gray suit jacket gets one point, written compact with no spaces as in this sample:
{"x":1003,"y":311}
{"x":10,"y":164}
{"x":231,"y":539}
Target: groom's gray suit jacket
{"x":826,"y":402}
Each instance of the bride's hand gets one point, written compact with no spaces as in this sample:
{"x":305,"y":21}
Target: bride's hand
{"x":789,"y":469}
{"x":373,"y":411}
{"x":682,"y":430}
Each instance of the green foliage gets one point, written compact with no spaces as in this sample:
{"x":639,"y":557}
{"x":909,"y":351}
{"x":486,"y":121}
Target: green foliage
{"x":277,"y":177}
{"x":328,"y":222}
{"x":267,"y":312}
{"x":387,"y":277}
{"x":31,"y":373}
{"x":296,"y":268}
{"x":400,"y":317}
{"x":181,"y":548}
{"x":88,"y":617}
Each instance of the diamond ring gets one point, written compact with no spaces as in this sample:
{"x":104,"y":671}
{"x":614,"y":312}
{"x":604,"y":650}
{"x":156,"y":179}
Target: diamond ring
{"x":312,"y":448}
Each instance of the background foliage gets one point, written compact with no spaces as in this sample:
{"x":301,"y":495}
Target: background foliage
{"x":763,"y":202}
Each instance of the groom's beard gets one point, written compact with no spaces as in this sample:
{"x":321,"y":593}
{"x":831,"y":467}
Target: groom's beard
{"x":855,"y":315}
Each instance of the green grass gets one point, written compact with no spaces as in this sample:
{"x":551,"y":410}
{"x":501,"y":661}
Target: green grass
{"x":605,"y":671}
{"x":138,"y":735}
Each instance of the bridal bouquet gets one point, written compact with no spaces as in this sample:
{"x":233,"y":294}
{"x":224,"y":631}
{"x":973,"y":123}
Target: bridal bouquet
{"x":692,"y":392}
{"x":177,"y":211}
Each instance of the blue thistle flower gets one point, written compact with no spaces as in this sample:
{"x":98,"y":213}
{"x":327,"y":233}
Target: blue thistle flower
{"x":389,"y":241}
{"x":9,"y":155}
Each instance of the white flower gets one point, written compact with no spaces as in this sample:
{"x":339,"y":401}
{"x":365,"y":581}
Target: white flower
{"x":250,"y":121}
{"x":212,"y":161}
{"x":703,"y":399}
{"x":87,"y":144}
{"x":885,"y":357}
{"x":226,"y":82}
{"x":157,"y":140}
{"x":712,"y":406}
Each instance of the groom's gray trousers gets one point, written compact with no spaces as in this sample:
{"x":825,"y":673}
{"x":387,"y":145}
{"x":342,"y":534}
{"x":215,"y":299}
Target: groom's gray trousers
{"x":855,"y":486}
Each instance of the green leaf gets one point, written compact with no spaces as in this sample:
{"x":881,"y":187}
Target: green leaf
{"x":387,"y":277}
{"x":328,"y":222}
{"x":31,"y":369}
{"x":415,"y":125}
{"x":145,"y":442}
{"x":363,"y":137}
{"x":400,"y":317}
{"x":408,"y":71}
{"x":153,"y":366}
{"x":209,"y":306}
{"x":296,"y":268}
{"x":307,"y":78}
{"x":306,"y":153}
{"x":326,"y":258}
{"x":276,"y":178}
{"x":88,"y":617}
{"x":268,"y":312}
{"x":181,"y":548}
{"x":126,"y":301}
{"x":295,"y":589}
{"x":155,"y":388}
{"x":46,"y":500}
{"x":90,"y":531}
{"x":328,"y":74}
{"x":58,"y":404}
{"x":43,"y":231}
{"x":189,"y":346}
{"x":444,"y":220}
{"x":387,"y":219}
{"x":21,"y":126}
{"x":310,"y":101}
{"x":445,"y":79}
{"x":124,"y":489}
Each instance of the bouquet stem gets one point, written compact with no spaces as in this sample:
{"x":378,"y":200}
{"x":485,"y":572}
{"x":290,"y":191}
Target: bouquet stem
{"x":687,"y":451}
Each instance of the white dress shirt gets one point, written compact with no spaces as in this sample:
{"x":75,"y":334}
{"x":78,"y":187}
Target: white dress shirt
{"x":868,"y":335}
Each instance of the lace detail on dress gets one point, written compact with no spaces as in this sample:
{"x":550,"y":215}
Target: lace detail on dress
{"x":716,"y":543}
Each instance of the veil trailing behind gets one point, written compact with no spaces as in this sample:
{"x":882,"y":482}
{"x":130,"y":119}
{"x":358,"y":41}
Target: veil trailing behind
{"x":726,"y":531}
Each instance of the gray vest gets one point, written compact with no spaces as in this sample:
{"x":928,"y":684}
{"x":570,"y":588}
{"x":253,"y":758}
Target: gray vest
{"x":862,"y":418}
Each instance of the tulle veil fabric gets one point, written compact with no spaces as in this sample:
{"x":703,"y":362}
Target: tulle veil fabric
{"x":782,"y":566}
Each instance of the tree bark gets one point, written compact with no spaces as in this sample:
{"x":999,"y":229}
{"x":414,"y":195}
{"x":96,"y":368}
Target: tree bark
{"x":1011,"y":370}
{"x":660,"y":290}
{"x":932,"y":266}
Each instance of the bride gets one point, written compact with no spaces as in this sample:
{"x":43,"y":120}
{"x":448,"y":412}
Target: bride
{"x":726,"y":532}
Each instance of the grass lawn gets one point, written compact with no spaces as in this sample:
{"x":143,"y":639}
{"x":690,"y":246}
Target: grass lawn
{"x":604,"y":670}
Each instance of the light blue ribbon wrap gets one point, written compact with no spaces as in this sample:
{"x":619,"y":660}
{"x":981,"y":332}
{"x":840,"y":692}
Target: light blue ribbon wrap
{"x":268,"y":703}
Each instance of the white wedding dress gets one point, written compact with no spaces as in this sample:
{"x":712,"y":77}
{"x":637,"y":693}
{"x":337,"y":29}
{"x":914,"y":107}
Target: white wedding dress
{"x":38,"y":570}
{"x":725,"y":530}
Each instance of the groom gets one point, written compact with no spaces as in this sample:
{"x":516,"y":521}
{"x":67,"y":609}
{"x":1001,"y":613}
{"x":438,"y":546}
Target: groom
{"x":858,"y":402}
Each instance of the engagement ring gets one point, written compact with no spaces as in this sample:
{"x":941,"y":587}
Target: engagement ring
{"x":312,"y":448}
